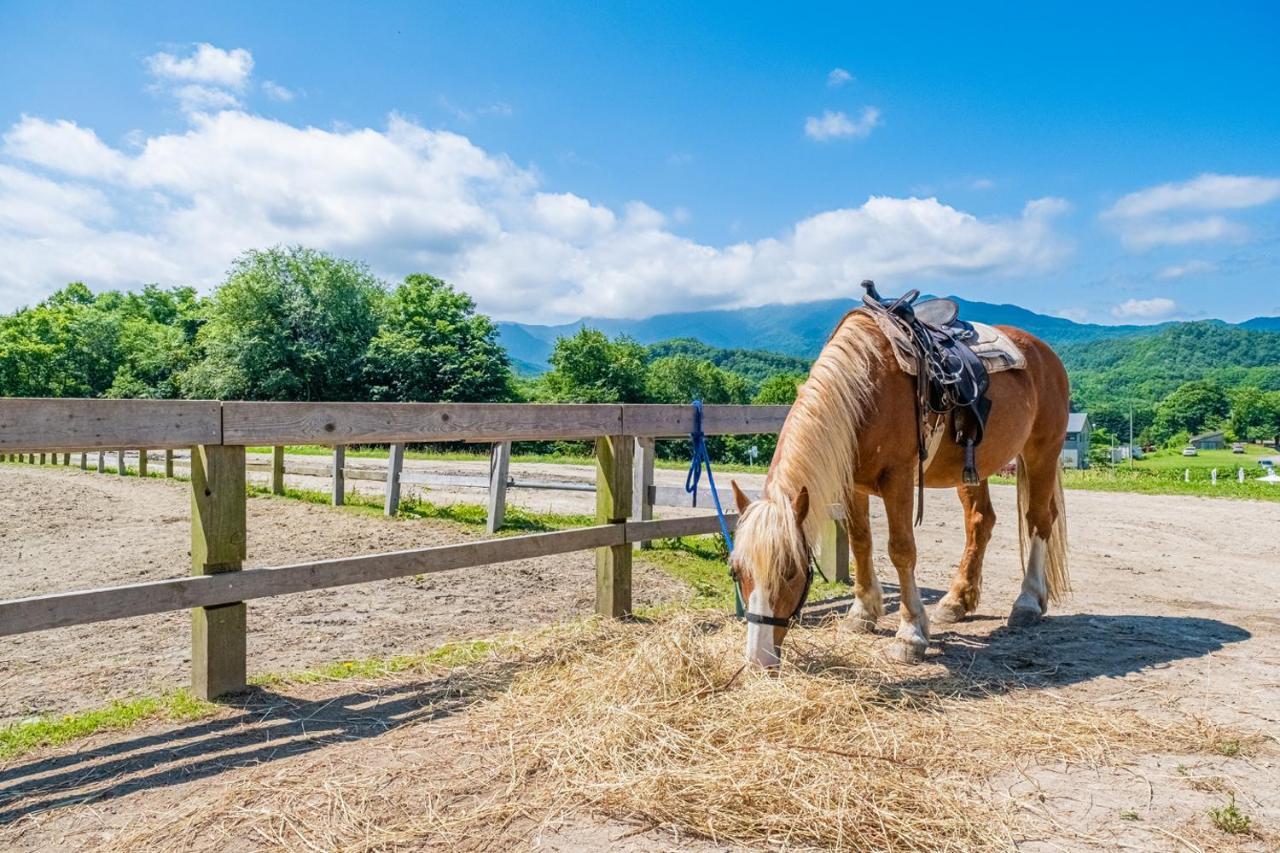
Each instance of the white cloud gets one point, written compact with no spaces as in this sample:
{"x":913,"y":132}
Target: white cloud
{"x":1173,"y":213}
{"x":1145,"y":309}
{"x":837,"y":125}
{"x":1183,"y":270}
{"x":207,"y":65}
{"x":276,"y":92}
{"x":837,"y":77}
{"x":982,"y":184}
{"x":406,"y":198}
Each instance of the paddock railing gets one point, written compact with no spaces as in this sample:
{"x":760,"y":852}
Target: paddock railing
{"x":217,"y":434}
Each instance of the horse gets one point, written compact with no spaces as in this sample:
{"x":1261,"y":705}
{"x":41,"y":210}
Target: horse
{"x":851,"y":434}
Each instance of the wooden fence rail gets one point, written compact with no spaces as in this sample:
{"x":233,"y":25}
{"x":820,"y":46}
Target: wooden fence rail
{"x":218,"y":433}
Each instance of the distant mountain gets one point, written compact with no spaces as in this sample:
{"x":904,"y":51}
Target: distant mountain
{"x":794,"y":330}
{"x":1262,"y":324}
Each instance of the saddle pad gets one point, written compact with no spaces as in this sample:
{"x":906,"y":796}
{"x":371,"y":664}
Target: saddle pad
{"x":997,"y":351}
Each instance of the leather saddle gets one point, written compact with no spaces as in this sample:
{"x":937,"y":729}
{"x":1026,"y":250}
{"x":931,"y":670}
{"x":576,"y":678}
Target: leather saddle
{"x":951,"y":379}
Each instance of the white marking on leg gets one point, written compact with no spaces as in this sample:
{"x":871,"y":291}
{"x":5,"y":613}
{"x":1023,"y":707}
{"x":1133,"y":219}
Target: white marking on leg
{"x":868,"y":606}
{"x":760,"y":648}
{"x":1035,"y":593}
{"x":914,"y":621}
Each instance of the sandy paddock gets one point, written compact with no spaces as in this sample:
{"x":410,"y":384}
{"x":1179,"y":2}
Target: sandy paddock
{"x":1174,"y":614}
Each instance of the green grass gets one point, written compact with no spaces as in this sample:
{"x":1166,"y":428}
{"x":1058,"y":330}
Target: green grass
{"x":446,"y":656}
{"x":1223,"y":460}
{"x":699,"y":561}
{"x":27,"y":735}
{"x":1230,"y":819}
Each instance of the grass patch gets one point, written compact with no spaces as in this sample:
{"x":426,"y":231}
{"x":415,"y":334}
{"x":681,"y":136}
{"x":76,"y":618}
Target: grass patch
{"x":25,"y":736}
{"x":701,"y":563}
{"x":446,"y":656}
{"x":1230,"y":819}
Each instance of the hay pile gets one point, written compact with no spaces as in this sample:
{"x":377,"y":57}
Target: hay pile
{"x":659,"y":726}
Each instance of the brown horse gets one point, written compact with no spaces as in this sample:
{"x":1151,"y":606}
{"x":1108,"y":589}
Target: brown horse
{"x":852,"y":434}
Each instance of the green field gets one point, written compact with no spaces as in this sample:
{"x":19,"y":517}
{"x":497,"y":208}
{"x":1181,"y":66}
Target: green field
{"x":1223,"y":460}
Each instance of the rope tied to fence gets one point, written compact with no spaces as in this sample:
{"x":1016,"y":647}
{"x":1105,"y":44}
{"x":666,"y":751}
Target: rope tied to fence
{"x":702,"y":459}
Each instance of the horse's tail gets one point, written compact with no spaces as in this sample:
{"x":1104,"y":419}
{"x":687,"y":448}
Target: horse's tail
{"x":1057,"y":580}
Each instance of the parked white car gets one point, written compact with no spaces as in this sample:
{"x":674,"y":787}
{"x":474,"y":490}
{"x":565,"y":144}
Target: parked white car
{"x":1190,"y":451}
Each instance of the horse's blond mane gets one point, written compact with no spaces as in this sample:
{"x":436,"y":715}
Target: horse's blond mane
{"x":817,"y":450}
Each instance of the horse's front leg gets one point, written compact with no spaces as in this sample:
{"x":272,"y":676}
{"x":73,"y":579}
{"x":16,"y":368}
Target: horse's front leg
{"x":913,"y":628}
{"x":868,"y":605}
{"x":966,"y":587}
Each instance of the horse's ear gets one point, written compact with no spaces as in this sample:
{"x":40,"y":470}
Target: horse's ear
{"x":800,"y":504}
{"x":739,"y":498}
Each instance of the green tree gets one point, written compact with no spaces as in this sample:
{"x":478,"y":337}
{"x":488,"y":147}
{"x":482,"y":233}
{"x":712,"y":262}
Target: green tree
{"x":683,"y":379}
{"x":433,"y":346}
{"x":587,"y":367}
{"x":1193,"y":408}
{"x":288,"y":324}
{"x":779,"y":389}
{"x":1254,"y":414}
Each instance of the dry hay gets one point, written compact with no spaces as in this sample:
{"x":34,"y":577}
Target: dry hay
{"x":659,"y":726}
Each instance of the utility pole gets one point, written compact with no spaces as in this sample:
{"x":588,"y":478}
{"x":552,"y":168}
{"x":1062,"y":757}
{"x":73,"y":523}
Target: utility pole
{"x":1131,"y":433}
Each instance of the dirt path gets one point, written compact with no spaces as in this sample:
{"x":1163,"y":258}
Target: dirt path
{"x":1174,"y":613}
{"x":65,"y":530}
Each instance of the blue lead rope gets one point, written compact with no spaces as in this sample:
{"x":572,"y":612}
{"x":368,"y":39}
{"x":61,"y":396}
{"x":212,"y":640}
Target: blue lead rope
{"x":702,"y":459}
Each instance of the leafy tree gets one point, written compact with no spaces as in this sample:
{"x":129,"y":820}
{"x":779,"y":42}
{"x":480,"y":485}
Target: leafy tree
{"x":587,"y":367}
{"x":433,"y":346}
{"x":289,"y":324}
{"x":1254,"y":414}
{"x":779,"y":390}
{"x":683,"y":379}
{"x":1192,"y":408}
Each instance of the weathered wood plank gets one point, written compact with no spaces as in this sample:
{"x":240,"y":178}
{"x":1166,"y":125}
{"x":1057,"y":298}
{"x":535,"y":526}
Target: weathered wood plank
{"x":219,"y":542}
{"x":638,"y":531}
{"x":59,"y":610}
{"x":395,"y":463}
{"x":339,"y":475}
{"x":253,"y":423}
{"x":614,"y":456}
{"x":60,"y":424}
{"x":496,"y":507}
{"x":142,"y":462}
{"x":168,"y":461}
{"x":121,"y":469}
{"x":102,"y":462}
{"x":674,"y":421}
{"x":833,"y":547}
{"x":277,"y":470}
{"x":641,"y":481}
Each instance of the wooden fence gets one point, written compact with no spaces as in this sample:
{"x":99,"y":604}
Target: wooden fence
{"x":217,"y":434}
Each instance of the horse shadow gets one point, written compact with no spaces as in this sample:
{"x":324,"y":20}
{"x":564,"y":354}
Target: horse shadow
{"x":1062,"y":649}
{"x":266,"y":726}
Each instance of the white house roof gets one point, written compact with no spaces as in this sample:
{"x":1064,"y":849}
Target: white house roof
{"x":1076,"y":421}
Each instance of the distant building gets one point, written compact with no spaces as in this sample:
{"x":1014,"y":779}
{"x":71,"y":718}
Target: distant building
{"x":1075,"y":449}
{"x":1122,"y":453}
{"x":1209,"y":441}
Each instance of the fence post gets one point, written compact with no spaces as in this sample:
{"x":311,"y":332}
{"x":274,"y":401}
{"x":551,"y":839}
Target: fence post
{"x":142,"y":462}
{"x":102,"y":462}
{"x":614,"y":456}
{"x":218,"y":544}
{"x":499,"y":465}
{"x":120,"y":470}
{"x":277,"y":470}
{"x":339,"y":474}
{"x":1240,"y":477}
{"x":168,"y":462}
{"x":84,"y":460}
{"x":641,"y":484}
{"x":395,"y":460}
{"x":1186,"y":476}
{"x":42,"y":459}
{"x":66,"y":459}
{"x":1213,"y":476}
{"x":833,"y":548}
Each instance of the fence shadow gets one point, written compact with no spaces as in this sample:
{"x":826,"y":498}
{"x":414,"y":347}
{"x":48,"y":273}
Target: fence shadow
{"x":265,"y":726}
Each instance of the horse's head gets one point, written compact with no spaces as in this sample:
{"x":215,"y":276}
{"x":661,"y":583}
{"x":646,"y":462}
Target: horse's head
{"x":771,"y":562}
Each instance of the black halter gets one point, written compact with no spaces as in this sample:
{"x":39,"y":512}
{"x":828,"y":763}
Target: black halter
{"x":778,"y":621}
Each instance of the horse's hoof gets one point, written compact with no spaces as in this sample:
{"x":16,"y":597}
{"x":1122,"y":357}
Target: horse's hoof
{"x":948,"y":612}
{"x":905,"y":651}
{"x":1023,"y":617}
{"x":861,"y":623}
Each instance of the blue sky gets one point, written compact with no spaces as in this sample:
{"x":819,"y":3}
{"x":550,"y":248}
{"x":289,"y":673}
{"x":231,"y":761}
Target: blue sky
{"x":1110,"y":164}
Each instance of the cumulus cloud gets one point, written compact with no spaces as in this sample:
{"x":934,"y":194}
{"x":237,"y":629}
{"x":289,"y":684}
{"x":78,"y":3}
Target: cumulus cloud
{"x":1155,"y":308}
{"x":1177,"y":213}
{"x":837,"y":77}
{"x":181,"y":205}
{"x":276,"y":92}
{"x":207,"y":80}
{"x":1183,"y":270}
{"x":838,"y":125}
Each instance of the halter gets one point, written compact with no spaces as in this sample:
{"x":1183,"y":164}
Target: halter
{"x":702,"y":459}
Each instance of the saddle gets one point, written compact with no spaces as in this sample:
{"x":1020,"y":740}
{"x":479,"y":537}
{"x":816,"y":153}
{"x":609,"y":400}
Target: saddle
{"x":952,"y":379}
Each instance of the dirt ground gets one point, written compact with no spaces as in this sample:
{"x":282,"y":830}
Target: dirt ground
{"x":1173,"y":614}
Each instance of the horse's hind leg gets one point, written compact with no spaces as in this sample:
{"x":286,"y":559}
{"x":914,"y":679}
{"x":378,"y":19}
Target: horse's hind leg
{"x":1037,"y":502}
{"x":868,"y":605}
{"x":966,"y":586}
{"x":913,"y":630}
